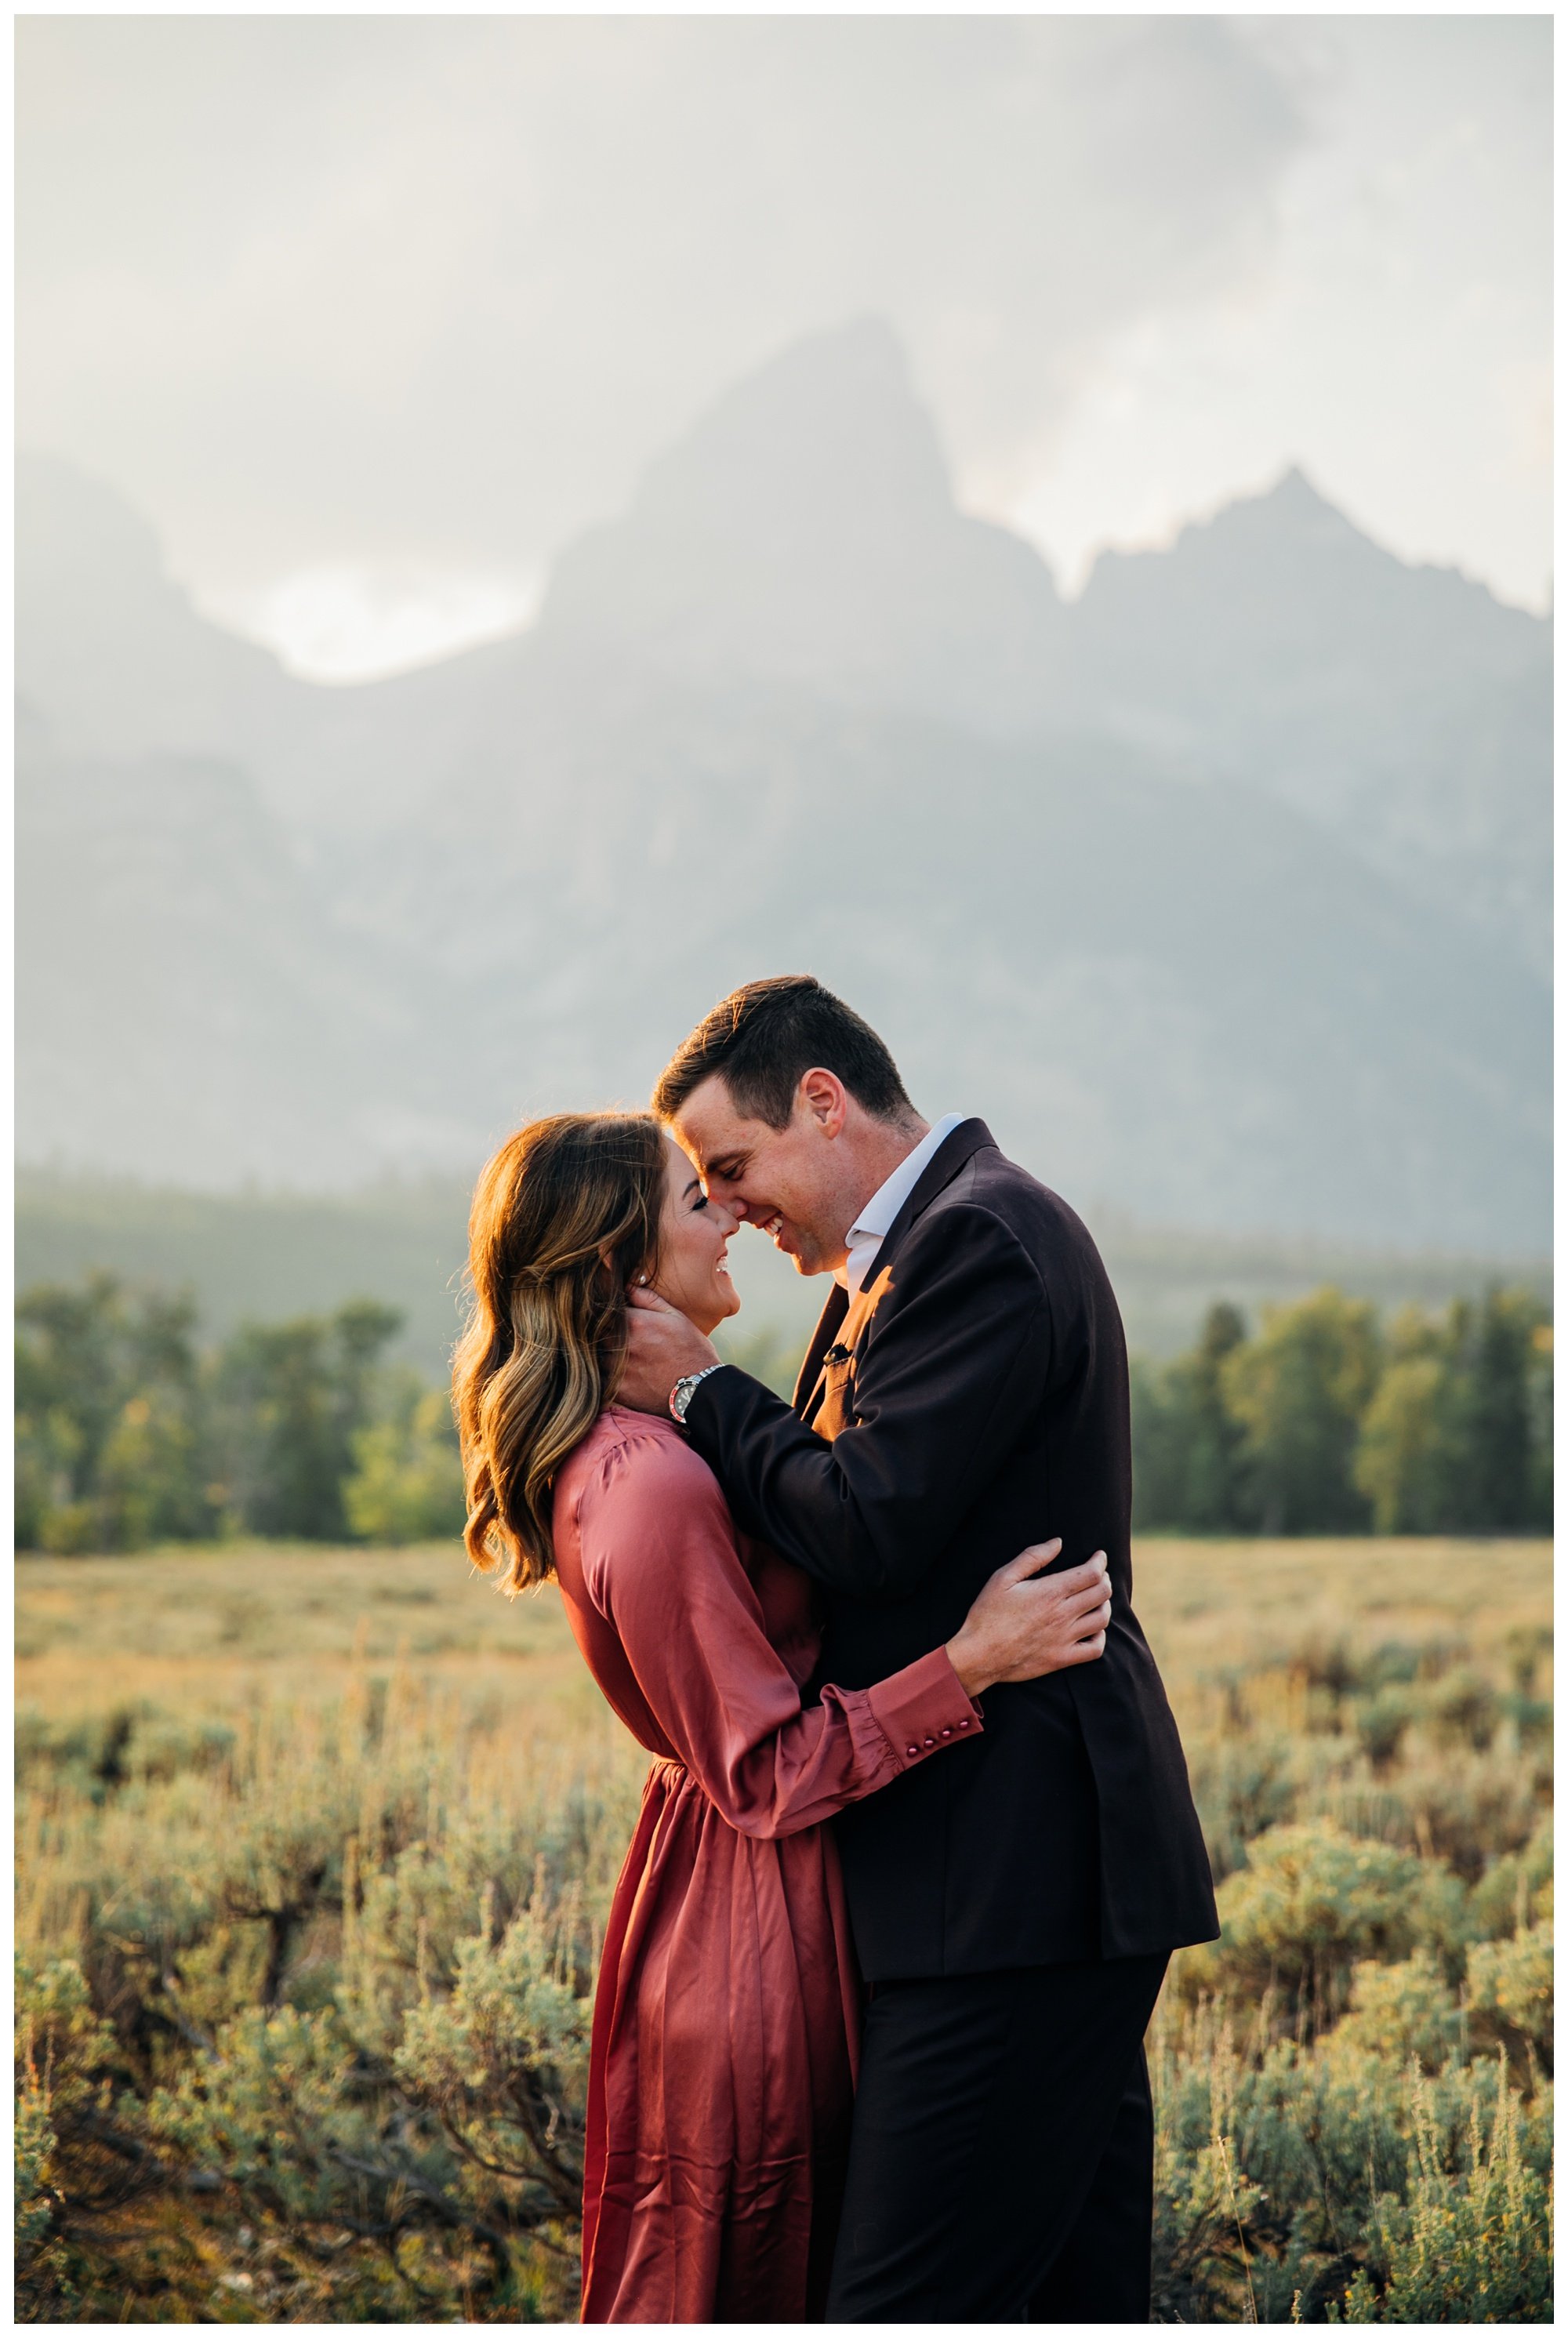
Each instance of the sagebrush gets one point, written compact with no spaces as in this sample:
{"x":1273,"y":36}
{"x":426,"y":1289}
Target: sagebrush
{"x":305,"y":1958}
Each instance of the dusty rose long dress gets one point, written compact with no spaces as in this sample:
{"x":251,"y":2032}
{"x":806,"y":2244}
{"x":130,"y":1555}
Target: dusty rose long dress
{"x":725,"y":2022}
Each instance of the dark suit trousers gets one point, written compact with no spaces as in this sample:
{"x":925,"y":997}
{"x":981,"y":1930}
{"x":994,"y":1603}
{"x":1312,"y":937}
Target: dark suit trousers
{"x":1002,"y":2157}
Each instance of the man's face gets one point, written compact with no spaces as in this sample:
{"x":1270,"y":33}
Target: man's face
{"x":794,"y":1183}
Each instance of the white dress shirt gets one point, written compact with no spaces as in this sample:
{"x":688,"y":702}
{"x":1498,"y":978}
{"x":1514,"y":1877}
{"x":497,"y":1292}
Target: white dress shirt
{"x":870,"y":1231}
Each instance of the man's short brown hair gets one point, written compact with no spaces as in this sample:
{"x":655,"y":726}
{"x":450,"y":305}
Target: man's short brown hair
{"x":764,"y":1035}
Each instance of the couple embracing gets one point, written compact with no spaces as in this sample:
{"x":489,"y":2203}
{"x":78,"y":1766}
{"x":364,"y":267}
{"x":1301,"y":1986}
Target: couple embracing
{"x":916,"y":1841}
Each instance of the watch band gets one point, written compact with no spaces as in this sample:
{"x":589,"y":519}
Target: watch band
{"x":681,"y":1393}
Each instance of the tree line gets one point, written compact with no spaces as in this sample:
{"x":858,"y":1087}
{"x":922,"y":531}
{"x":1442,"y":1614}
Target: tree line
{"x":1326,"y":1421}
{"x":129,"y":1432}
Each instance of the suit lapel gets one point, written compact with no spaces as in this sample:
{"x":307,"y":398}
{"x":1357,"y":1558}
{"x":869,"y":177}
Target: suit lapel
{"x":965,"y":1140}
{"x":827,"y":1323}
{"x":843,"y":1319}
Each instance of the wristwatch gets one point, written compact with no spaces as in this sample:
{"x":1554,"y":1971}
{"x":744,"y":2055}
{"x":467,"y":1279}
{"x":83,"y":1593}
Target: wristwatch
{"x":681,"y":1394}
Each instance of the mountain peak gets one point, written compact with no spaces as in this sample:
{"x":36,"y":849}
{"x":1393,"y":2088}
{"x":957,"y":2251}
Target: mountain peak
{"x":1294,"y":503}
{"x":1286,"y":546}
{"x":829,"y":431}
{"x":1294,"y":491}
{"x":804,"y":528}
{"x":1292,"y":513}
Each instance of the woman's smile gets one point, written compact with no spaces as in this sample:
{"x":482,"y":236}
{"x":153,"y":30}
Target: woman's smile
{"x":693,"y":1265}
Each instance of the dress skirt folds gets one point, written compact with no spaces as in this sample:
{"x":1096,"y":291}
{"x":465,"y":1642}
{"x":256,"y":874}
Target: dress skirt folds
{"x":725,"y":2023}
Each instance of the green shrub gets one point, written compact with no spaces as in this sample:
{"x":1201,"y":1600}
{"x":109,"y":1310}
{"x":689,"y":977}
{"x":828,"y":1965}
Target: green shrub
{"x":1310,"y":1903}
{"x":1401,"y":2012}
{"x":1509,"y":1985}
{"x":318,"y":2048}
{"x":1515,"y":1889}
{"x":303,"y":1995}
{"x":1320,"y":2182}
{"x":1470,"y":2240}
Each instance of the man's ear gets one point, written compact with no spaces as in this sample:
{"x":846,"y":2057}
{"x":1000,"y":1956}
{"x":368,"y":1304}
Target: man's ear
{"x":826,"y":1099}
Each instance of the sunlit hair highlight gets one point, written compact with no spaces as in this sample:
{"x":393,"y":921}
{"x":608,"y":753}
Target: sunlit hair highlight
{"x":545,"y":1342}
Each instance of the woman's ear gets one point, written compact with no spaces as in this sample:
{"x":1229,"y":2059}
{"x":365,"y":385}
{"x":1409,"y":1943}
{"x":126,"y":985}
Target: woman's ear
{"x":607,"y":1260}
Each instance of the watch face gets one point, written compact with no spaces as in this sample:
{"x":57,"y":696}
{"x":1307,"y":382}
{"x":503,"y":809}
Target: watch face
{"x":684,"y":1389}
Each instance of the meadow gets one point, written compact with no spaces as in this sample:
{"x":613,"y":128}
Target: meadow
{"x":314,"y":1849}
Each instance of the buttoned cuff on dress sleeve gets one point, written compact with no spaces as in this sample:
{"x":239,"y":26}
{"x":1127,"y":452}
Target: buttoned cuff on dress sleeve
{"x":923,"y":1708}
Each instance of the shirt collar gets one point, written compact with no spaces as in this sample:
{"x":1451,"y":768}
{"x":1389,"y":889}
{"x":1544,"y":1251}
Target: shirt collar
{"x":878,"y":1215}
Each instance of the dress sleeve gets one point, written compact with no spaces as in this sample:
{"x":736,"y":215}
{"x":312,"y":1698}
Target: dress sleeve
{"x":662,"y":1563}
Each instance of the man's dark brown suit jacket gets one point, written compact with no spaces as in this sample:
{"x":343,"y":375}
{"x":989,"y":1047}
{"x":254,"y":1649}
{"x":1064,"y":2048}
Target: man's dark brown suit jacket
{"x":973,"y":1399}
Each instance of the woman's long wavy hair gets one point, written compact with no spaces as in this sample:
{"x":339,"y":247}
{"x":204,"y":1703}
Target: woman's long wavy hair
{"x":564,"y":1216}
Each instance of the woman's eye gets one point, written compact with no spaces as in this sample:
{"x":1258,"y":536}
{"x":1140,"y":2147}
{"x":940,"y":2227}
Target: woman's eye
{"x":700,"y":1202}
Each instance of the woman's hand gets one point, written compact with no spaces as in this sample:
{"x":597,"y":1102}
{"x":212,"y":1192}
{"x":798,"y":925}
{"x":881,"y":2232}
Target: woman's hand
{"x":1018,"y":1630}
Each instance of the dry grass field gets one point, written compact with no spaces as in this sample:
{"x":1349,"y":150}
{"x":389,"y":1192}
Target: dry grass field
{"x":209,"y":1628}
{"x":314,"y":1846}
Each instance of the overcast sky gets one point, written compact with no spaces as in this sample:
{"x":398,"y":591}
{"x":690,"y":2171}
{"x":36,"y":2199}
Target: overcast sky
{"x":370,"y":314}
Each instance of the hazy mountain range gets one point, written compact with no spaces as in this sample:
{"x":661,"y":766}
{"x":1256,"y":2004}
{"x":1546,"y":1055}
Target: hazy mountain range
{"x":1222,"y":892}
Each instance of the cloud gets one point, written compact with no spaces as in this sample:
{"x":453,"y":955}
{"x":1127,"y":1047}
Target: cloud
{"x":1397,"y":343}
{"x":353,"y":623}
{"x":428,"y":291}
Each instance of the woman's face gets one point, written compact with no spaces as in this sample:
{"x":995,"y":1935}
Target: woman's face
{"x":693,"y":1236}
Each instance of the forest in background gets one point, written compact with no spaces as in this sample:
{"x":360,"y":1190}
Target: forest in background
{"x":1321,"y":1418}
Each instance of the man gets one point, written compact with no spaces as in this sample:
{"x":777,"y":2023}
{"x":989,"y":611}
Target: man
{"x":1015,"y":1904}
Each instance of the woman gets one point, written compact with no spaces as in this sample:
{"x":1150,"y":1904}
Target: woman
{"x":725,"y":2024}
